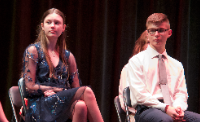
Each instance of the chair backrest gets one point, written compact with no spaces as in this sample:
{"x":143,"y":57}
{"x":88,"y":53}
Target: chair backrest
{"x":21,"y":85}
{"x":127,"y":101}
{"x":15,"y":99}
{"x":120,"y":112}
{"x":126,"y":94}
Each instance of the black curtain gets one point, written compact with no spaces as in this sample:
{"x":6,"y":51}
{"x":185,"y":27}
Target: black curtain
{"x":101,"y":35}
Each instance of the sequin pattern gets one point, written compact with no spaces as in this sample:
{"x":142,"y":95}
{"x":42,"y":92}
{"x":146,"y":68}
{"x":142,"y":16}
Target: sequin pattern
{"x":63,"y":80}
{"x":59,"y":100}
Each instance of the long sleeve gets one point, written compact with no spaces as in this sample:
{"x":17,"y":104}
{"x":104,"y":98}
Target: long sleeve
{"x":36,"y":72}
{"x":179,"y":89}
{"x":123,"y":84}
{"x":73,"y":71}
{"x":29,"y":71}
{"x":143,"y":78}
{"x":139,"y":92}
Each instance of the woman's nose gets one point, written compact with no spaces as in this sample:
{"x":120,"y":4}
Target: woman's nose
{"x":52,"y":24}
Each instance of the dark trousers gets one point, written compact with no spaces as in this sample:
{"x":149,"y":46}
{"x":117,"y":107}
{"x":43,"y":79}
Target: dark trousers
{"x":145,"y":114}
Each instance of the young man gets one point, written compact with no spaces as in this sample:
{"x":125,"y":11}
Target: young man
{"x":148,"y":94}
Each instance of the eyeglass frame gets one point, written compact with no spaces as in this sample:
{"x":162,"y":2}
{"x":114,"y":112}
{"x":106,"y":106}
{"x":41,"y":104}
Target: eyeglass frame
{"x":164,"y":30}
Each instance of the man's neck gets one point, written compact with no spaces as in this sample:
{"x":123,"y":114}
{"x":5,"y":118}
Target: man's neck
{"x":158,"y":49}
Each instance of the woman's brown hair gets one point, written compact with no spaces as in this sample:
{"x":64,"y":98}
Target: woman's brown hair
{"x":61,"y":42}
{"x":140,"y":43}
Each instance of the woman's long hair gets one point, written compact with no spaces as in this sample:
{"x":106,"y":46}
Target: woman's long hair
{"x":140,"y":43}
{"x":60,"y":45}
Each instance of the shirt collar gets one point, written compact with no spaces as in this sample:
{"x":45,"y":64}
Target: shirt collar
{"x":152,"y":52}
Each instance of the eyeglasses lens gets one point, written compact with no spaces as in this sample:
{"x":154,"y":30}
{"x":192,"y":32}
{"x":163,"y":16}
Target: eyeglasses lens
{"x":160,"y":30}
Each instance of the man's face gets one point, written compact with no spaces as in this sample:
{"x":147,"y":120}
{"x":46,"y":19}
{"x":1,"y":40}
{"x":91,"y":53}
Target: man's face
{"x":158,"y":35}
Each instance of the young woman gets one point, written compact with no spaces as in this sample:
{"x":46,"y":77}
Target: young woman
{"x":141,"y":44}
{"x":51,"y":77}
{"x":2,"y":114}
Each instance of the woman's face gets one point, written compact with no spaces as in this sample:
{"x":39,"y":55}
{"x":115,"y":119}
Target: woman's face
{"x":53,"y":26}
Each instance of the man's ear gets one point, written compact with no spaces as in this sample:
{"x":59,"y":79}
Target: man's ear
{"x":169,"y":33}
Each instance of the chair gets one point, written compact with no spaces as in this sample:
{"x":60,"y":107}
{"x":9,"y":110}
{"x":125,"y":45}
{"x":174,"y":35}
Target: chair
{"x":15,"y":100}
{"x":120,"y":112}
{"x":21,"y":85}
{"x":127,"y":101}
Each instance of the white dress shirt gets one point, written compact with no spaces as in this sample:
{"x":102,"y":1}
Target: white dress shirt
{"x":123,"y":84}
{"x":143,"y":78}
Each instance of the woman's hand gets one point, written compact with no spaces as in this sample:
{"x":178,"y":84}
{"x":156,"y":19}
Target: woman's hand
{"x":49,"y":93}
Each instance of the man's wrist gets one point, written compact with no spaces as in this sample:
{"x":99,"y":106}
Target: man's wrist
{"x":166,"y":107}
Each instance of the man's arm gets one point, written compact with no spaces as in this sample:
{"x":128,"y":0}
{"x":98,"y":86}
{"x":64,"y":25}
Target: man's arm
{"x":122,"y":85}
{"x":139,"y":93}
{"x":180,"y":94}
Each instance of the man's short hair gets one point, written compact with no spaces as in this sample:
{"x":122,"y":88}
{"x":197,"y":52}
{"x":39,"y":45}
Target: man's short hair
{"x":157,"y":18}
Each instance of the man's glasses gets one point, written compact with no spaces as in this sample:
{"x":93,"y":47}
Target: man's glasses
{"x":152,"y":31}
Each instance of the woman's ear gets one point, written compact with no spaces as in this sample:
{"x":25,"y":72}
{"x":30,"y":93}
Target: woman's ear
{"x":64,"y":26}
{"x":42,"y":26}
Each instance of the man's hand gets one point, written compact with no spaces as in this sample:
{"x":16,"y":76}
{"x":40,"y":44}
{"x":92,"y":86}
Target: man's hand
{"x":177,"y":114}
{"x":171,"y":111}
{"x":181,"y":114}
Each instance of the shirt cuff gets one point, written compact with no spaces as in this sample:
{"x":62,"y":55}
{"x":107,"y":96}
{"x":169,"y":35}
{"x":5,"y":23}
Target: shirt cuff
{"x":160,"y":106}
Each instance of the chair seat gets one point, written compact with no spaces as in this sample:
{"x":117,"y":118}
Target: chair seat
{"x":15,"y":96}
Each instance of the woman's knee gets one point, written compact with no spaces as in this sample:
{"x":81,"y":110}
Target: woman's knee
{"x":80,"y":107}
{"x":89,"y":93}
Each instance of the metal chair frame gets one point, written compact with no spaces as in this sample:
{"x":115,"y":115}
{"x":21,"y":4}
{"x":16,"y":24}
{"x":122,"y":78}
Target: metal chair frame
{"x":120,"y":112}
{"x":127,"y":102}
{"x":15,"y":100}
{"x":21,"y":85}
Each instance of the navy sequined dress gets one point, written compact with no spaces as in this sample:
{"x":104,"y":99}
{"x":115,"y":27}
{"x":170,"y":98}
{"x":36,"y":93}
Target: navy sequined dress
{"x":57,"y":107}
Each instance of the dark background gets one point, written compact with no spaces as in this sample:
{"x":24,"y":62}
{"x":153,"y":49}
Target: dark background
{"x":101,"y":36}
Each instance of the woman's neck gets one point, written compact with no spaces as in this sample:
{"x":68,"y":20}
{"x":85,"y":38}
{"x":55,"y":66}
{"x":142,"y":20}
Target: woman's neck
{"x":51,"y":44}
{"x":51,"y":47}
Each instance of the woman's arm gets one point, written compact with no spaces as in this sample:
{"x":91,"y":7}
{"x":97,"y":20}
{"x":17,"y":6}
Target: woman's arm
{"x":73,"y":71}
{"x":29,"y":72}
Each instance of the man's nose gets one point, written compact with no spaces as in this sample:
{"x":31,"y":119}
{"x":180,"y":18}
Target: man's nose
{"x":157,"y":33}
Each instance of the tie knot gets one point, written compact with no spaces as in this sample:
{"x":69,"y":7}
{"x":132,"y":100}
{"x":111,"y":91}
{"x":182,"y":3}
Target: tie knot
{"x":160,"y":56}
